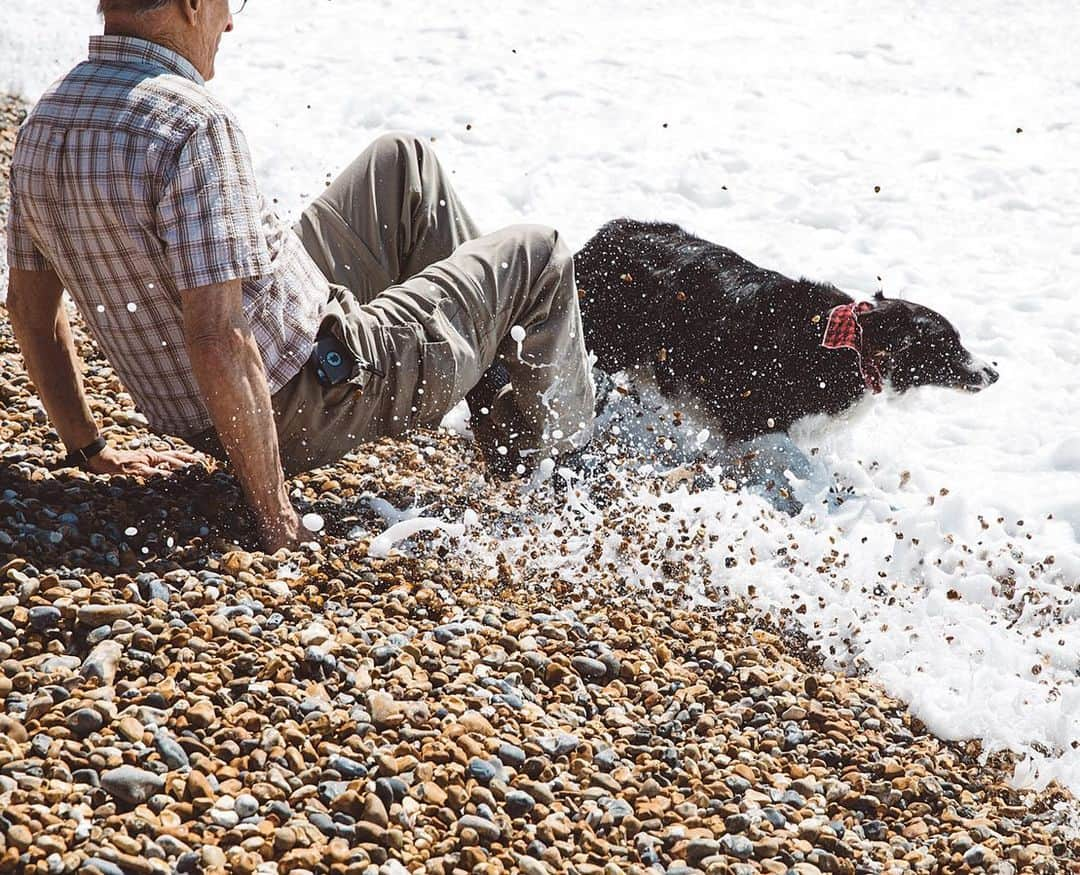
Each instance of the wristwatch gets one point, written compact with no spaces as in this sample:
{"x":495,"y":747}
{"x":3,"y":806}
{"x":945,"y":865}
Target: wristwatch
{"x":80,"y":458}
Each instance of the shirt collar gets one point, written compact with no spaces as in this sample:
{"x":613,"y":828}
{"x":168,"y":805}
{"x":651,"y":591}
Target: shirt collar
{"x":132,"y":50}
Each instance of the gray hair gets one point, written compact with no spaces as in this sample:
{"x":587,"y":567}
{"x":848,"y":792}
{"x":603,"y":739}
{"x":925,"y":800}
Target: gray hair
{"x":136,"y":6}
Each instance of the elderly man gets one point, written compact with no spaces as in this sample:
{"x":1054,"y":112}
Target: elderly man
{"x":279,"y":349}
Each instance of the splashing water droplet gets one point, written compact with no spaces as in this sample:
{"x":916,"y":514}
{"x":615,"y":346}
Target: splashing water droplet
{"x":131,"y":530}
{"x":101,"y":308}
{"x":132,"y":307}
{"x":517,"y":333}
{"x":313,"y":522}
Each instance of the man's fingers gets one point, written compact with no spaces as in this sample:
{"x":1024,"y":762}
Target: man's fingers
{"x":175,"y":459}
{"x":184,"y":456}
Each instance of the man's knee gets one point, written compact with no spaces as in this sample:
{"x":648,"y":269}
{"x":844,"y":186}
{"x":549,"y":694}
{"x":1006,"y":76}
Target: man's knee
{"x":544,"y":245}
{"x":398,"y":144}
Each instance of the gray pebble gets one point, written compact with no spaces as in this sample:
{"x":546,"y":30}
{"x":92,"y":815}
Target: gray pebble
{"x":84,"y":721}
{"x":132,"y":785}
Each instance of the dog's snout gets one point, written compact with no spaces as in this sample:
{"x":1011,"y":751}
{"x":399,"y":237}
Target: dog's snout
{"x":990,"y":375}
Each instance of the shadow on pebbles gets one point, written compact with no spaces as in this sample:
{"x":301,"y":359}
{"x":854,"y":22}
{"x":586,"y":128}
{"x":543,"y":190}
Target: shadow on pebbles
{"x":173,"y":701}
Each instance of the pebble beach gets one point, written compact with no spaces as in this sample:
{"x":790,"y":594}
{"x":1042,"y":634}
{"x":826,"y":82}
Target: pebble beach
{"x":173,"y":700}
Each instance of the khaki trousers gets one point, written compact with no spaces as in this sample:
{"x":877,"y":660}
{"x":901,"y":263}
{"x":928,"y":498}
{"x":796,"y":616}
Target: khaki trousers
{"x":428,"y":306}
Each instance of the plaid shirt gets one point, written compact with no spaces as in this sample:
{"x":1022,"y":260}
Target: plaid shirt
{"x":132,"y":182}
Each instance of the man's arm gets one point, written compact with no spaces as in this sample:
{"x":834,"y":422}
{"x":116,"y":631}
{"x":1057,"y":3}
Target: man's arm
{"x":229,"y":369}
{"x":43,"y":332}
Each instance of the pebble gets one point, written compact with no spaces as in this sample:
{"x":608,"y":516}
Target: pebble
{"x":737,"y":846}
{"x":518,"y":803}
{"x":102,"y":662}
{"x":132,"y":785}
{"x":482,"y":770}
{"x":484,"y":828}
{"x":44,"y":617}
{"x":103,"y":615}
{"x":246,"y":805}
{"x":84,"y":721}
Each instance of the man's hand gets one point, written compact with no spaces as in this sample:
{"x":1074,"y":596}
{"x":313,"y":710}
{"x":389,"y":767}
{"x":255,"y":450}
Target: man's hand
{"x":287,"y":530}
{"x":141,"y":463}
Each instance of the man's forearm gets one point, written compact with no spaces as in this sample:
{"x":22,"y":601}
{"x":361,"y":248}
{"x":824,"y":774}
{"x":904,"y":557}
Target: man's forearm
{"x":53,"y":365}
{"x":229,"y":370}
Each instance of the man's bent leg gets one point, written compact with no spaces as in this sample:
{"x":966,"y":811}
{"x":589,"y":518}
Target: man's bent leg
{"x":390,"y":214}
{"x":508,"y":297}
{"x":432,"y":337}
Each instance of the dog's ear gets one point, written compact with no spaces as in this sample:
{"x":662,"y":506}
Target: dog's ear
{"x":879,"y":296}
{"x":887,"y":326}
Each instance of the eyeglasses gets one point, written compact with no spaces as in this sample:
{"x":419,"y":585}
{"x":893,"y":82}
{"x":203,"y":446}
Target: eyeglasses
{"x":237,"y":6}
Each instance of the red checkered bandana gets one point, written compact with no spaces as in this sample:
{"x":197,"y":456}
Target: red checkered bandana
{"x":843,"y":331}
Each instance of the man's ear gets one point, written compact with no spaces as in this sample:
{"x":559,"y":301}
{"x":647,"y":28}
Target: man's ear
{"x":190,"y":9}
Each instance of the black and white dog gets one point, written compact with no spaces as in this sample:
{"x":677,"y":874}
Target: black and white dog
{"x":757,"y":349}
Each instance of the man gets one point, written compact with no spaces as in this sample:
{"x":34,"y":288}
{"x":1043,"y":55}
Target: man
{"x":132,"y":187}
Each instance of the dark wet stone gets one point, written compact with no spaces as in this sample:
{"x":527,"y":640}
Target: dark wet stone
{"x":390,"y":790}
{"x":44,"y":617}
{"x":739,"y":847}
{"x":518,"y":803}
{"x":84,"y":721}
{"x":511,"y":755}
{"x":323,"y":823}
{"x":346,"y":767}
{"x":875,"y":830}
{"x":482,"y":770}
{"x":174,"y":756}
{"x":776,"y":818}
{"x":86,"y":776}
{"x":588,"y":668}
{"x":737,"y":784}
{"x":736,"y":823}
{"x":795,"y":800}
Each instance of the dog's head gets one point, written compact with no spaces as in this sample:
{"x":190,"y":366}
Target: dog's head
{"x":917,"y":346}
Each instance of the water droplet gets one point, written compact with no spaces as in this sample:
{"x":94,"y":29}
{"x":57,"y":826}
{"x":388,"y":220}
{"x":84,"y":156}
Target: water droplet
{"x":131,"y":530}
{"x":132,"y":307}
{"x":313,"y":522}
{"x":101,"y":308}
{"x":517,"y":333}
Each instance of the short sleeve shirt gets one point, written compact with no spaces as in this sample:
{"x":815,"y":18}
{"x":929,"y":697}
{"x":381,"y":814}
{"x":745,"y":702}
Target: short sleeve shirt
{"x":133,"y":183}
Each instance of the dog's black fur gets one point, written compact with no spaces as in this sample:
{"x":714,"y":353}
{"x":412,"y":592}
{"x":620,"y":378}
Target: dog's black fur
{"x":744,"y":340}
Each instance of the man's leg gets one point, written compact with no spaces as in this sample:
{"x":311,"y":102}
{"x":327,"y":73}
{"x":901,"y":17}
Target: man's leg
{"x":390,"y":214}
{"x":508,"y":297}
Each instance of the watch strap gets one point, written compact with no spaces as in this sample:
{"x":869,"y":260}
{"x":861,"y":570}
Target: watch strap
{"x":81,"y":457}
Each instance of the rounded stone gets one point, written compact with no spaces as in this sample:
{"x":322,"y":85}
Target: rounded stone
{"x":84,"y":721}
{"x":132,"y":785}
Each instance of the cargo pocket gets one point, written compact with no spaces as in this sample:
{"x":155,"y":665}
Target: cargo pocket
{"x":436,"y":390}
